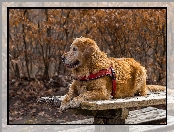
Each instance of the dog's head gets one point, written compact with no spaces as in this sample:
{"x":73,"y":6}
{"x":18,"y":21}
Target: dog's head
{"x":80,"y":51}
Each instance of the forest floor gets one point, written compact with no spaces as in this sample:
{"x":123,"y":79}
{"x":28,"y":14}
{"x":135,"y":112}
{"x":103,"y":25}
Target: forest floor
{"x":23,"y":106}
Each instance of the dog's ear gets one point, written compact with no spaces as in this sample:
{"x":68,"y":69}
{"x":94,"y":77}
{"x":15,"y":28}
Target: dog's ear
{"x":90,"y":50}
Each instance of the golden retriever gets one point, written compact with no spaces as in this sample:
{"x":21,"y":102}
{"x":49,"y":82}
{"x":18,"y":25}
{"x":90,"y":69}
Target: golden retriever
{"x":85,"y":58}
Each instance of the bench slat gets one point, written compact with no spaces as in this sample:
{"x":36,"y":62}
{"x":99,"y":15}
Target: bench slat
{"x":146,"y":115}
{"x":148,"y":100}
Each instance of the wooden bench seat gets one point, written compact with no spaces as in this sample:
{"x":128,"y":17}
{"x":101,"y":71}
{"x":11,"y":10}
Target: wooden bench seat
{"x":155,"y":98}
{"x":115,"y":111}
{"x":151,"y":99}
{"x":147,"y":115}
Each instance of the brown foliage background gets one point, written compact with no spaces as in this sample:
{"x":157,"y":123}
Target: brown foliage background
{"x":38,"y":38}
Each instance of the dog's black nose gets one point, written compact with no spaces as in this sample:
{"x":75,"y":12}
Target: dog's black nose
{"x":63,"y":58}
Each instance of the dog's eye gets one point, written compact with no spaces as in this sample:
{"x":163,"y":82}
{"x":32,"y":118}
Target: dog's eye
{"x":74,"y":49}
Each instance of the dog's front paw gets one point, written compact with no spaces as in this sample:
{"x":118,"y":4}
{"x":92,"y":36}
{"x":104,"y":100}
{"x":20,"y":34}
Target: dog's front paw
{"x":75,"y":103}
{"x":64,"y":108}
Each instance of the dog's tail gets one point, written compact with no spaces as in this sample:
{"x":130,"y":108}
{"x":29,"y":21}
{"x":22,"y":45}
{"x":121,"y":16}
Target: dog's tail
{"x":155,"y":88}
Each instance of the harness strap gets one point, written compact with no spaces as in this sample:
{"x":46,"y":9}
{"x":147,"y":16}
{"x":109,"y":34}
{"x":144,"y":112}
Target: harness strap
{"x":113,"y":77}
{"x":105,"y":72}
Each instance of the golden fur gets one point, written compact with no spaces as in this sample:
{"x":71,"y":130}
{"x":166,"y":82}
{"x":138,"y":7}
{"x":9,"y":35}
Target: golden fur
{"x":84,"y":52}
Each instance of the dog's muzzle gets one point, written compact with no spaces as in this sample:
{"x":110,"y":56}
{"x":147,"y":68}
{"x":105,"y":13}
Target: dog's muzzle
{"x":70,"y":65}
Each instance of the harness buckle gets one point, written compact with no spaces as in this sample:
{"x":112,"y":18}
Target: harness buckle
{"x":113,"y":74}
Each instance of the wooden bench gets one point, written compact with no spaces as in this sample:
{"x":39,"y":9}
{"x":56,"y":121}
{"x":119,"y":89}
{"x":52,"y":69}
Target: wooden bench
{"x":116,"y":111}
{"x":150,"y":100}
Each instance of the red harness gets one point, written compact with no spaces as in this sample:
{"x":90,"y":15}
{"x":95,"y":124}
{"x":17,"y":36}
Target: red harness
{"x":105,"y":72}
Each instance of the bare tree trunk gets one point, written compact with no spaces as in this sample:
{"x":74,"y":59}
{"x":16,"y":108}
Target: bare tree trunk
{"x":46,"y":58}
{"x":25,"y":47}
{"x":17,"y":73}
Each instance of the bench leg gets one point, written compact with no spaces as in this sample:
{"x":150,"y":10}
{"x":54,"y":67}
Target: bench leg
{"x":98,"y":120}
{"x":117,"y":116}
{"x":111,"y":116}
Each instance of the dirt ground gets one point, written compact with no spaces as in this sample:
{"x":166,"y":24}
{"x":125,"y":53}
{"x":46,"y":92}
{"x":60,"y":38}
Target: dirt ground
{"x":23,"y":106}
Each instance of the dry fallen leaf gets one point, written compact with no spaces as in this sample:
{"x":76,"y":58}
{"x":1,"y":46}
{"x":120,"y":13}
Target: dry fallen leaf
{"x":41,"y":113}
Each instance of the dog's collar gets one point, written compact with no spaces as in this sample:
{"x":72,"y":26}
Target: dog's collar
{"x":105,"y":72}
